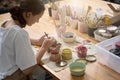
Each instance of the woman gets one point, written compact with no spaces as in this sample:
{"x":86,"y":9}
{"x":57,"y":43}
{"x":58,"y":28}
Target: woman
{"x":17,"y":59}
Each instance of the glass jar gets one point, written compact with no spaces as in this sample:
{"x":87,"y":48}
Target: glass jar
{"x":81,"y":51}
{"x":66,"y":54}
{"x":54,"y":53}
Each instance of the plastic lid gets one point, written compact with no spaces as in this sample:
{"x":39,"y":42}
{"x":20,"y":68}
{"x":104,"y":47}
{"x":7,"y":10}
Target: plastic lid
{"x":90,"y":58}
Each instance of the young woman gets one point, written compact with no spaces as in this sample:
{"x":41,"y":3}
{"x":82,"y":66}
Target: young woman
{"x":17,"y":60}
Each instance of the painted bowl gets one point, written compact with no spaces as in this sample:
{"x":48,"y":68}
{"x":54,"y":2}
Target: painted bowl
{"x":68,"y":37}
{"x":77,"y":68}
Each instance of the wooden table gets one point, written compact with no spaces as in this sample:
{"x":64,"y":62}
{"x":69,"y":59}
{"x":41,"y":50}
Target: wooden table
{"x":95,"y":70}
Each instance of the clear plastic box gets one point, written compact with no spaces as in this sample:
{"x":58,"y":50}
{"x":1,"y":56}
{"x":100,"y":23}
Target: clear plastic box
{"x":107,"y":58}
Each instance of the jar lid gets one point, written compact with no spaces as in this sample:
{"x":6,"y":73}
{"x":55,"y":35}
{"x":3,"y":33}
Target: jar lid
{"x":90,"y":58}
{"x":61,"y":63}
{"x":83,"y":60}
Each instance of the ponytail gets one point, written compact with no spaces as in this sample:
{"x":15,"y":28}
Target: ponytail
{"x":17,"y":14}
{"x":34,"y":6}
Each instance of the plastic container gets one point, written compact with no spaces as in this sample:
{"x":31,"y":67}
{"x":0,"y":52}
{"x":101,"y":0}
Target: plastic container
{"x":107,"y":58}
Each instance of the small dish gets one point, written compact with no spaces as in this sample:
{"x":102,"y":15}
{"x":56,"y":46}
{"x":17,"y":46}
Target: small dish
{"x":90,"y":58}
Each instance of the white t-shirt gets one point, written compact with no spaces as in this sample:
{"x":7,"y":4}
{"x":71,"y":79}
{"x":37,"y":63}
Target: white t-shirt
{"x":15,"y":50}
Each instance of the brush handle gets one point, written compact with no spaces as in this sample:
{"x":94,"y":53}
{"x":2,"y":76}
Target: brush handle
{"x":112,"y":7}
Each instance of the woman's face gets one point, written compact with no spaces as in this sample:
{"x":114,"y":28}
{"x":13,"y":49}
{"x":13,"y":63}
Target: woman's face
{"x":31,"y":19}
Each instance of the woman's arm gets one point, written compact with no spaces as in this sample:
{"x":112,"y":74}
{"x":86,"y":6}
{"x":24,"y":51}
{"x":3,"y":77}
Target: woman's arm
{"x":37,"y":42}
{"x":46,"y":44}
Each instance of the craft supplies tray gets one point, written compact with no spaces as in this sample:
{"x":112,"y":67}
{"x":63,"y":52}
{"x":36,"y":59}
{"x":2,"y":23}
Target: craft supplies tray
{"x":107,"y":58}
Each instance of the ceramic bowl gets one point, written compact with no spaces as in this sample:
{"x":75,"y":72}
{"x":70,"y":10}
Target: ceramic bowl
{"x":77,"y":68}
{"x":68,"y":37}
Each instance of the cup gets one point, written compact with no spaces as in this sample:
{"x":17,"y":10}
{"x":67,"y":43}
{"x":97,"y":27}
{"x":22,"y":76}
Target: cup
{"x":91,"y":31}
{"x":81,"y":27}
{"x":55,"y":14}
{"x":60,"y":29}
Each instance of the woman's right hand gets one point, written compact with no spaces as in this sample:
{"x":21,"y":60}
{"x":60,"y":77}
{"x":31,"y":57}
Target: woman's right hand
{"x":48,"y":42}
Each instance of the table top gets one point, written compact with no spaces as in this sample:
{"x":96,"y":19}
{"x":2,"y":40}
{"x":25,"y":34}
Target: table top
{"x":95,"y":70}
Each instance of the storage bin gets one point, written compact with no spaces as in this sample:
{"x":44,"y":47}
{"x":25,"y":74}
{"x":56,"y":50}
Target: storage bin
{"x":107,"y":58}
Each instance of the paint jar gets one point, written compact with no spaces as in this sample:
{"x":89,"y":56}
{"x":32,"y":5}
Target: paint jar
{"x":54,"y":52}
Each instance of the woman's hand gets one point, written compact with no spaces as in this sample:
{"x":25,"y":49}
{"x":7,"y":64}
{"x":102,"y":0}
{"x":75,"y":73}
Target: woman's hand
{"x":44,"y":47}
{"x":48,"y":42}
{"x":40,"y":41}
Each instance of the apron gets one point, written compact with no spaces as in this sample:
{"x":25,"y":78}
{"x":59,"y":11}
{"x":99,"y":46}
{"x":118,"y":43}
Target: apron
{"x":19,"y":75}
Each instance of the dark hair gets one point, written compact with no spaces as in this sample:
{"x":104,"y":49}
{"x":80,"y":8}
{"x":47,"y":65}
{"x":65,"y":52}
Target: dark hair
{"x":34,"y":6}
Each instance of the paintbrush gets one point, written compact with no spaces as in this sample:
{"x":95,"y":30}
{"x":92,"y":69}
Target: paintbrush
{"x":113,"y":8}
{"x":46,"y":34}
{"x":54,"y":22}
{"x":88,"y":10}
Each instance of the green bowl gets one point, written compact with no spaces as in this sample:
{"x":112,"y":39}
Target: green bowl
{"x":77,"y":68}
